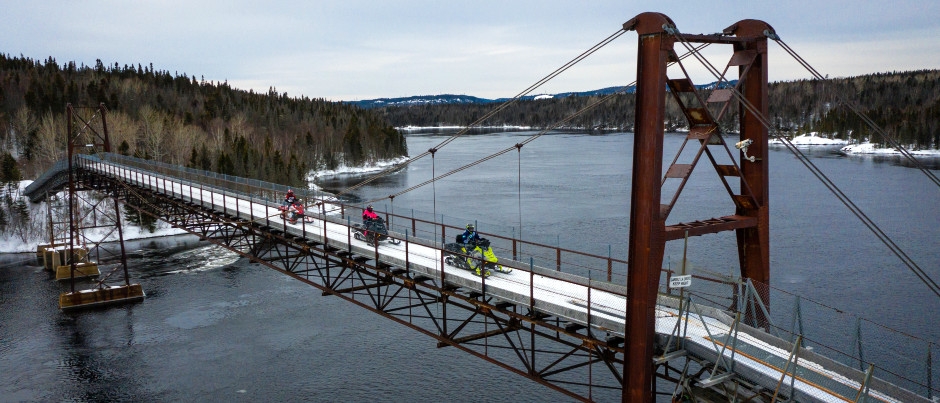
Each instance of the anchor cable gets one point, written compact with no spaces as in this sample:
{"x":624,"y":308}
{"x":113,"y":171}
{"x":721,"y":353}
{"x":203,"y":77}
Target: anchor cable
{"x":923,"y":276}
{"x":854,"y":108}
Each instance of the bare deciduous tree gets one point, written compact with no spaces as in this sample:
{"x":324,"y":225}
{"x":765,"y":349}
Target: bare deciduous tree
{"x":51,"y":141}
{"x":23,"y":123}
{"x":152,"y":132}
{"x":122,"y":128}
{"x":180,"y":141}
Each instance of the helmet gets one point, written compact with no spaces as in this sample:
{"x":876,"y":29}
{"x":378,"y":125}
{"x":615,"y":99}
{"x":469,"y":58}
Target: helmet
{"x":471,"y":227}
{"x":369,"y":208}
{"x":290,"y":192}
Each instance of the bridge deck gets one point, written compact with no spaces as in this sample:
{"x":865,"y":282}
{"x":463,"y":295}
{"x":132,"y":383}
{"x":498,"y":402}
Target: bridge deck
{"x":707,"y":333}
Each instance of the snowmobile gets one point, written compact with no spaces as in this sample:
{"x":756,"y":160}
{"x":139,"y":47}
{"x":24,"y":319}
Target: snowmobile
{"x":468,"y":256}
{"x":373,"y":232}
{"x":291,"y":213}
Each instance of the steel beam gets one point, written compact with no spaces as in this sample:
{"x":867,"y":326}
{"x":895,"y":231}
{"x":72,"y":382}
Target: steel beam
{"x":754,"y":242}
{"x":648,"y":232}
{"x":647,"y":226}
{"x":421,"y":303}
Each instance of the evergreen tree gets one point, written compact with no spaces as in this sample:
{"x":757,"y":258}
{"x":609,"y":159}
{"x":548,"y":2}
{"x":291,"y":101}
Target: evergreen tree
{"x":197,"y":114}
{"x":352,"y":145}
{"x":9,"y":172}
{"x":144,"y":221}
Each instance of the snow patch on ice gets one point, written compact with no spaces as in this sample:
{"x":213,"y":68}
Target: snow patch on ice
{"x":811,"y":139}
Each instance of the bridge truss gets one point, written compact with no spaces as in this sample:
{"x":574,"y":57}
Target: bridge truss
{"x":560,"y":330}
{"x":573,"y":359}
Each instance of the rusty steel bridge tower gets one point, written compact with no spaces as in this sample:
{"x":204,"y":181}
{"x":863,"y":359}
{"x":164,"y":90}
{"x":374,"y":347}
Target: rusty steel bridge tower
{"x":649,"y":232}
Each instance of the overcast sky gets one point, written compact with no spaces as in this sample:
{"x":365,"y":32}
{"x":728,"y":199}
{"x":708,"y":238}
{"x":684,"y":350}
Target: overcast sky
{"x":354,"y":50}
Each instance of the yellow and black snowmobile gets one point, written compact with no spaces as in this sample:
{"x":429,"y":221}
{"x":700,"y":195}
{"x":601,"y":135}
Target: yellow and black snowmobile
{"x":476,"y":256}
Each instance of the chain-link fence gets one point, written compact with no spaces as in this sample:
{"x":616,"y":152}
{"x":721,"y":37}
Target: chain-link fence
{"x":906,"y":361}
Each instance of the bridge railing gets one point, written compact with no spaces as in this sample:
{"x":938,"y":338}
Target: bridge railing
{"x":52,"y":177}
{"x":509,"y":246}
{"x":905,"y":360}
{"x":156,"y":177}
{"x":438,"y":229}
{"x":255,"y":188}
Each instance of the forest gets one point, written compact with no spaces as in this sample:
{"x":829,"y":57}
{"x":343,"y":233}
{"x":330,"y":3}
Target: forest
{"x":271,"y":136}
{"x":905,"y":105}
{"x":178,"y":119}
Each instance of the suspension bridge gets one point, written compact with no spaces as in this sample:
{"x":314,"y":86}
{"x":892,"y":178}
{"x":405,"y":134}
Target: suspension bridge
{"x":627,"y":334}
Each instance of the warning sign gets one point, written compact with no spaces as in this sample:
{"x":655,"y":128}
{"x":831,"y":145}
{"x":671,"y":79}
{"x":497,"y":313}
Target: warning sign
{"x":680,"y":281}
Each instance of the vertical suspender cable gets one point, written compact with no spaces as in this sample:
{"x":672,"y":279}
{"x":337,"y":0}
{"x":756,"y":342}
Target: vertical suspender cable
{"x":519,"y":191}
{"x":434,"y":193}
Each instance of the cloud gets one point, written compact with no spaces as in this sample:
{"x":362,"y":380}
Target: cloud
{"x":359,"y":49}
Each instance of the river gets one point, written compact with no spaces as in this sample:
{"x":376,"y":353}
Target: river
{"x":218,"y":328}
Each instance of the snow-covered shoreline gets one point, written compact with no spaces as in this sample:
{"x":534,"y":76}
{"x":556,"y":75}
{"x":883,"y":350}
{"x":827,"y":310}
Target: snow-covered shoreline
{"x":864,"y":148}
{"x":871,"y":148}
{"x":130,"y":232}
{"x":811,"y":139}
{"x":497,"y":127}
{"x":369,"y":168}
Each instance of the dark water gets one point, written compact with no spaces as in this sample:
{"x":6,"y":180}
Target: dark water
{"x":217,"y":328}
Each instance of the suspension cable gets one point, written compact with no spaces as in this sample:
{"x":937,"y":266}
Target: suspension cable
{"x":620,"y":91}
{"x":493,"y":112}
{"x":854,"y":108}
{"x":923,"y":276}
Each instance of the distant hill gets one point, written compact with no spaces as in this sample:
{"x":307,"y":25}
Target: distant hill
{"x":904,"y":104}
{"x":450,"y":99}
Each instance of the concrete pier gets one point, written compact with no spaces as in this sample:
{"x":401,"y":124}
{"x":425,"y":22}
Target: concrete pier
{"x":56,"y":256}
{"x":41,"y":249}
{"x":99,"y":297}
{"x":82,"y":270}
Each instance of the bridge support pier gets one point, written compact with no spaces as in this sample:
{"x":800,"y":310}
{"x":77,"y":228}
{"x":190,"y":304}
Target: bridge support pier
{"x":101,"y":296}
{"x":91,"y":138}
{"x":82,"y":270}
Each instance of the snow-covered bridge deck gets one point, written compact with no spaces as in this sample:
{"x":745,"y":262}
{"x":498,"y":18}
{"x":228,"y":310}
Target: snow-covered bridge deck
{"x":704,"y":332}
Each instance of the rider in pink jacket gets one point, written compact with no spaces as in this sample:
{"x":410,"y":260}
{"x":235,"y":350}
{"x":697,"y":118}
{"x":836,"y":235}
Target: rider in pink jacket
{"x":367,"y":216}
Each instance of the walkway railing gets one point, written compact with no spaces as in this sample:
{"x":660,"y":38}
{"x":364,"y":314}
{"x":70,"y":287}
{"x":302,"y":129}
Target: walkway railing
{"x":902,"y":359}
{"x":596,"y":267}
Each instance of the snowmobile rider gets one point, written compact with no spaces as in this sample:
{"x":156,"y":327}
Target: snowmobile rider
{"x":297,"y":211}
{"x":367,"y":216}
{"x":289,"y":200}
{"x":470,"y":236}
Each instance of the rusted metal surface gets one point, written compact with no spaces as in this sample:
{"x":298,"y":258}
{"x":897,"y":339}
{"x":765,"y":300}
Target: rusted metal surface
{"x":647,"y":228}
{"x":709,"y":226}
{"x":554,"y":355}
{"x":753,"y":243}
{"x":89,"y":135}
